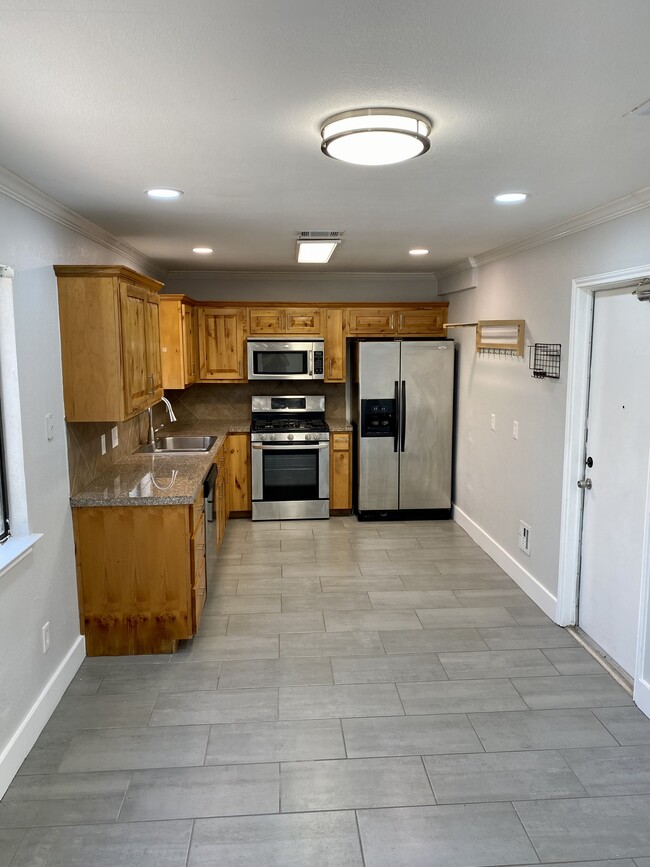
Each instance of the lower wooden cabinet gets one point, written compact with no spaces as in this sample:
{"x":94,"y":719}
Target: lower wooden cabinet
{"x":340,"y":472}
{"x":136,"y":577}
{"x":238,"y":480}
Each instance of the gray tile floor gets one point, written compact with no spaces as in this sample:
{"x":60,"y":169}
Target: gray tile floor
{"x":359,"y":694}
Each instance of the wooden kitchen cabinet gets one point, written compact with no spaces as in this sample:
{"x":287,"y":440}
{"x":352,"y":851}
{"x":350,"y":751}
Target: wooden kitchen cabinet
{"x":334,"y":345}
{"x":136,"y":577}
{"x":278,"y":321}
{"x":179,"y":341}
{"x":221,"y":493}
{"x":110,"y":342}
{"x":340,"y":472}
{"x":424,"y":320}
{"x":222,"y":344}
{"x":238,"y":449}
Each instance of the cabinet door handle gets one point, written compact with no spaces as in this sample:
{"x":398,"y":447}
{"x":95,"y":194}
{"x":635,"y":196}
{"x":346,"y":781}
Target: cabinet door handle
{"x":152,"y":383}
{"x":283,"y":317}
{"x":401,"y":322}
{"x":330,"y":368}
{"x":392,"y":321}
{"x":240,"y":368}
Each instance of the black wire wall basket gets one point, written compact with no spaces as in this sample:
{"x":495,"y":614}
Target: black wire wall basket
{"x":544,"y":360}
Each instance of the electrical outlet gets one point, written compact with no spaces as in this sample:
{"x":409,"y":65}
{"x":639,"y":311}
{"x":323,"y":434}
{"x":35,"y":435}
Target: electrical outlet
{"x":102,"y":443}
{"x":114,"y":437}
{"x":45,"y":636}
{"x":524,"y":538}
{"x":515,"y":430}
{"x":493,"y":421}
{"x":49,"y":426}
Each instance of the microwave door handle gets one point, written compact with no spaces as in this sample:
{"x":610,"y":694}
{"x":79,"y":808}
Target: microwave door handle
{"x":311,"y":363}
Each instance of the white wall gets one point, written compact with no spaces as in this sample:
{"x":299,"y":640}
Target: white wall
{"x":498,"y":480}
{"x":43,"y":586}
{"x":304,"y":286}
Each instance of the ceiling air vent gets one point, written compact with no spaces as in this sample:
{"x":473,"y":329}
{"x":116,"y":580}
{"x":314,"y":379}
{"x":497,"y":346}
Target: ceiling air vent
{"x":314,"y":235}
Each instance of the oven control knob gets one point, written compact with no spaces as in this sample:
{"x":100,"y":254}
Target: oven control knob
{"x":289,"y":436}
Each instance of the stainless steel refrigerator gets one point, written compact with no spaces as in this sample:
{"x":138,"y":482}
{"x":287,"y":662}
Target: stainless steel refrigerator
{"x":402,"y":401}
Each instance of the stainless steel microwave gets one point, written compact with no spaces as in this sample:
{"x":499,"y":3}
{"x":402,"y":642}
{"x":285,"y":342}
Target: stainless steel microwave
{"x":279,"y":358}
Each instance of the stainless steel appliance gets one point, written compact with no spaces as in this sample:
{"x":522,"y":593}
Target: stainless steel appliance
{"x":290,"y":459}
{"x":403,"y":412}
{"x":280,"y":358}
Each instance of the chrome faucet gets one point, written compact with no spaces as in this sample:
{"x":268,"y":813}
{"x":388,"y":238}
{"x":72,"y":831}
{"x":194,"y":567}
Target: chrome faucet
{"x":151,"y":439}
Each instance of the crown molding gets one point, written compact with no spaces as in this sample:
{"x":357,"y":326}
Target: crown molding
{"x":21,"y":191}
{"x":299,"y":277}
{"x":629,"y":204}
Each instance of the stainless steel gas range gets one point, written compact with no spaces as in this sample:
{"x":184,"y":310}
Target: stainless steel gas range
{"x":290,"y":459}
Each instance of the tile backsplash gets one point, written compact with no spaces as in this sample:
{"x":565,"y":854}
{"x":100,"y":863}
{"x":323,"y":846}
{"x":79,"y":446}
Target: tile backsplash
{"x":219,"y":401}
{"x":226,"y":402}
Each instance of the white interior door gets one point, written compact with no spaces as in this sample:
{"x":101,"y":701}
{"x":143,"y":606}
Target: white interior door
{"x":618,"y":443}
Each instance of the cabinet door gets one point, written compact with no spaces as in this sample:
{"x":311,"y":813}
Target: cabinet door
{"x":221,"y":342}
{"x":238,"y":474}
{"x":340,"y":472}
{"x":334,"y":346}
{"x":190,"y":341}
{"x":425,"y":322}
{"x":266,"y":320}
{"x":134,"y":316}
{"x":302,"y":320}
{"x":371,"y":321}
{"x":153,"y":363}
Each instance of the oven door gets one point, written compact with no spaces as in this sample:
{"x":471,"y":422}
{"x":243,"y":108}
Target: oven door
{"x":281,"y":360}
{"x":290,"y":480}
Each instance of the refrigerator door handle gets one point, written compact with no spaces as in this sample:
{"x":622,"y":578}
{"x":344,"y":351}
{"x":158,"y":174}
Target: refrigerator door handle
{"x":396,"y":422}
{"x":403,"y":414}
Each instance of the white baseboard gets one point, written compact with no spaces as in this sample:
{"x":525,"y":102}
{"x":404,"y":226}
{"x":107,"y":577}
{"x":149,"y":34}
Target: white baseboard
{"x":642,"y":695}
{"x":33,"y":724}
{"x":528,"y":583}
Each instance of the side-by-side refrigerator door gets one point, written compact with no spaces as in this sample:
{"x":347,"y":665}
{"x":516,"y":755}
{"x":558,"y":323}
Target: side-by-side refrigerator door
{"x":426,"y":398}
{"x":378,"y":455}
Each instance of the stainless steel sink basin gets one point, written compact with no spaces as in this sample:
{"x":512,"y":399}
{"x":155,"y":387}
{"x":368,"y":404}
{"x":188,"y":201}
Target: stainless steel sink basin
{"x":177,"y":445}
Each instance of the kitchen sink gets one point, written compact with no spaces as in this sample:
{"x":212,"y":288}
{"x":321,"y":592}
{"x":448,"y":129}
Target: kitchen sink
{"x":179,"y":444}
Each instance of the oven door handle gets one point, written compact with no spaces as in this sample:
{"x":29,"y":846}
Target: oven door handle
{"x":292,"y":447}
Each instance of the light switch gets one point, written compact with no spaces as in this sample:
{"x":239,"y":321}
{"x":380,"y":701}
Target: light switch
{"x":102,"y":443}
{"x":515,"y":430}
{"x":49,"y":426}
{"x":493,"y":421}
{"x":114,"y":437}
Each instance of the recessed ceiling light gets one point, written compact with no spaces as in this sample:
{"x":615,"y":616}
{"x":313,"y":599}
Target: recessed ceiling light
{"x":511,"y":198}
{"x":315,"y":252}
{"x":419,"y":251}
{"x":202,"y":250}
{"x":163,"y":193}
{"x":376,"y":136}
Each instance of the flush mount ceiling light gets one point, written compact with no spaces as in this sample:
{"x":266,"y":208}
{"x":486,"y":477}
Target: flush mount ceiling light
{"x":511,"y":198}
{"x":163,"y":193}
{"x":418,"y":251}
{"x":316,"y":247}
{"x":204,"y":251}
{"x":315,"y":252}
{"x":376,"y":136}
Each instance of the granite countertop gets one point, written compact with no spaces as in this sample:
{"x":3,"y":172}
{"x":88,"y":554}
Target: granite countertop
{"x":166,"y":479}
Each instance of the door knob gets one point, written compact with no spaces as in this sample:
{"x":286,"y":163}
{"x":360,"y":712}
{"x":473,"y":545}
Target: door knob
{"x":585,"y":483}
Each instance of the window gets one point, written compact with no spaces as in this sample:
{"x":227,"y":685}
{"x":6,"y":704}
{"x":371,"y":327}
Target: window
{"x":4,"y":507}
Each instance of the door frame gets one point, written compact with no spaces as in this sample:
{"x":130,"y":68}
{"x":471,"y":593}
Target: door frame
{"x":583,"y":291}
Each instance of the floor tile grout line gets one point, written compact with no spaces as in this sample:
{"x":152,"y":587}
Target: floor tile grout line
{"x":525,"y":830}
{"x":363,"y":854}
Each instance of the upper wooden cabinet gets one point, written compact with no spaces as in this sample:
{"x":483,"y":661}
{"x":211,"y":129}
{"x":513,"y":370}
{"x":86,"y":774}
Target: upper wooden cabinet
{"x":179,"y":340}
{"x":424,"y":320}
{"x":284,"y":320}
{"x":334,"y":345}
{"x":110,"y":342}
{"x":222,"y":344}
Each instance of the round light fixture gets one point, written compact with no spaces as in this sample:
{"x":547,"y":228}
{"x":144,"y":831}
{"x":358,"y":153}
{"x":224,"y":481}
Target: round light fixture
{"x":163,"y":193}
{"x":511,"y":198}
{"x":376,"y":136}
{"x":418,"y":251}
{"x":202,"y":250}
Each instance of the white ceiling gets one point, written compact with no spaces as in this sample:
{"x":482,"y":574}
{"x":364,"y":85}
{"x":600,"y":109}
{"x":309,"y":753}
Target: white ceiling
{"x":102,"y":99}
